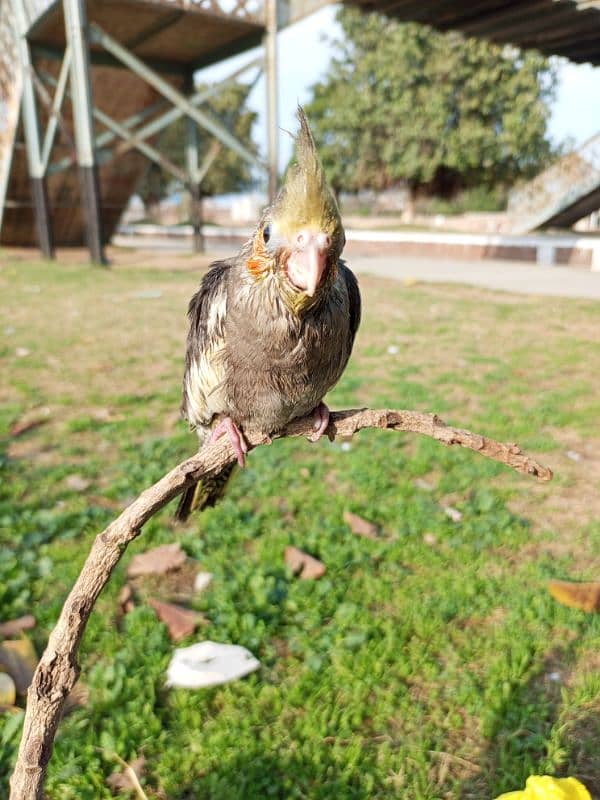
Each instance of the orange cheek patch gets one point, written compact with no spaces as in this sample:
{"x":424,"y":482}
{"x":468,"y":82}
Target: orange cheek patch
{"x":256,"y":265}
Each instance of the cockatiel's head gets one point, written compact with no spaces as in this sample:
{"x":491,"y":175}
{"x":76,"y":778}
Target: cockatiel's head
{"x":300,"y":237}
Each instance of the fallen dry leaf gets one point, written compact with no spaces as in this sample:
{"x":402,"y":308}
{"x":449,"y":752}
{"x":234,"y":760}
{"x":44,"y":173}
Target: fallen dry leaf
{"x":303,"y":565}
{"x":29,"y":421}
{"x":585,"y":596}
{"x":175,"y":586}
{"x":15,"y":626}
{"x":360,"y":526}
{"x":157,"y":561}
{"x":19,"y":659}
{"x":180,"y":622}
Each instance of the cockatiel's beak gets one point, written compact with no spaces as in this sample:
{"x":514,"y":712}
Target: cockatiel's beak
{"x":308,"y":260}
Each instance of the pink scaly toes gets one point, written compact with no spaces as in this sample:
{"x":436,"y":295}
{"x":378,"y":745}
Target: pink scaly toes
{"x":236,"y":437}
{"x":321,"y":418}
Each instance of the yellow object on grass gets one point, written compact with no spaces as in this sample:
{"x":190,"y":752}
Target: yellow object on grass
{"x":543,"y":787}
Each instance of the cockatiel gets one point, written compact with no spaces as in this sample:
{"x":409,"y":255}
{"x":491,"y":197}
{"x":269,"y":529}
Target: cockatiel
{"x":271,"y":330}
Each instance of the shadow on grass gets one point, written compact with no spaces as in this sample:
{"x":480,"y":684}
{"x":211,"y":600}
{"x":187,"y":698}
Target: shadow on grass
{"x":522,"y":729}
{"x":583,"y":737}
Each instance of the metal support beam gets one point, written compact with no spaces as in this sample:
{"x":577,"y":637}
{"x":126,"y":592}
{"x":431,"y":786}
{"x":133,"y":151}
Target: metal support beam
{"x":152,"y":128}
{"x":32,"y":138}
{"x":136,"y":65}
{"x":212,"y":152}
{"x":290,"y":11}
{"x":47,"y":101}
{"x":81,"y":97}
{"x":150,"y":152}
{"x":117,"y":130}
{"x":271,"y":73}
{"x":54,"y":119}
{"x":194,"y":188}
{"x":174,"y":114}
{"x":106,"y":137}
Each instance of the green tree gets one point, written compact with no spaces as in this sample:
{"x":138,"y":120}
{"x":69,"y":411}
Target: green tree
{"x":228,"y":171}
{"x":403,"y":103}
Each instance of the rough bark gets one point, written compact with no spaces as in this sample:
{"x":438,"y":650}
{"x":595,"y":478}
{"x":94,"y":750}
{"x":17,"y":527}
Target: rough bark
{"x":58,"y":670}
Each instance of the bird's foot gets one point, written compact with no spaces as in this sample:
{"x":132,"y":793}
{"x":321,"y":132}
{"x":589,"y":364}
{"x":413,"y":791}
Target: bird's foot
{"x":236,"y":437}
{"x":321,"y":421}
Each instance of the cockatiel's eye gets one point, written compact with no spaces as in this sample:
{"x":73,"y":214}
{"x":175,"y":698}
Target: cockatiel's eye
{"x":266,"y":233}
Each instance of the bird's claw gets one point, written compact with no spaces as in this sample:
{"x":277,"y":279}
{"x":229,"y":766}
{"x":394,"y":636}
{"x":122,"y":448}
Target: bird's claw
{"x":236,"y":437}
{"x":321,"y":422}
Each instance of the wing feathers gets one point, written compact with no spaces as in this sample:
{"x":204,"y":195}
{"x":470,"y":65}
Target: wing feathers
{"x":203,"y":381}
{"x":353,"y":298}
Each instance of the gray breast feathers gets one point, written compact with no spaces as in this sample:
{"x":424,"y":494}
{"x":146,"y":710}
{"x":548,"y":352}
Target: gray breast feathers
{"x":279,"y":365}
{"x":251,"y":358}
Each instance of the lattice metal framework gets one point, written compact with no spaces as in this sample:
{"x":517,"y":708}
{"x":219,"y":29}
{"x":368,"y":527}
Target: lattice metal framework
{"x":102,"y":93}
{"x":162,"y":42}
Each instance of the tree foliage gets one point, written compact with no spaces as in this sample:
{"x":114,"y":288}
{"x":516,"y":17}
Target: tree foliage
{"x":402,"y":102}
{"x":228,"y":172}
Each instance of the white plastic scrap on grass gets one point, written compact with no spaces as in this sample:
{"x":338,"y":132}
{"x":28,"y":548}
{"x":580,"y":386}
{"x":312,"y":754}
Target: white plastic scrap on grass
{"x":209,"y":664}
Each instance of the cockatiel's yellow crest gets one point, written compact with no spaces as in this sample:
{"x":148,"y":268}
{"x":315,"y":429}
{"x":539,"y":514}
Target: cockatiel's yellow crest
{"x":306,"y":199}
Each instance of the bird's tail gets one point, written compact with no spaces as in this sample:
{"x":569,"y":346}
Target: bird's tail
{"x":204,"y":494}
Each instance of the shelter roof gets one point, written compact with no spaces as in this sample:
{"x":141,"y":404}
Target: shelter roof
{"x":569,"y":28}
{"x":172,"y":34}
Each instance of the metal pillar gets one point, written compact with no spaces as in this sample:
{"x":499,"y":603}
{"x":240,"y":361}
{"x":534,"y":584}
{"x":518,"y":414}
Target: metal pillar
{"x":151,"y":153}
{"x":81,"y":98}
{"x":32,"y":138}
{"x":271,"y":76}
{"x":193,"y":184}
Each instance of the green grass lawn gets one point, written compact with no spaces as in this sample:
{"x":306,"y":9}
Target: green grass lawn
{"x":430,"y":664}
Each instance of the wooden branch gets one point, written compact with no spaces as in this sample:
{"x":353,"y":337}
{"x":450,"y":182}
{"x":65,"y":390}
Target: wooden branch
{"x":58,"y":670}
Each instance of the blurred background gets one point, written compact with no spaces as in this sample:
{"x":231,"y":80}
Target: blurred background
{"x":428,"y":118}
